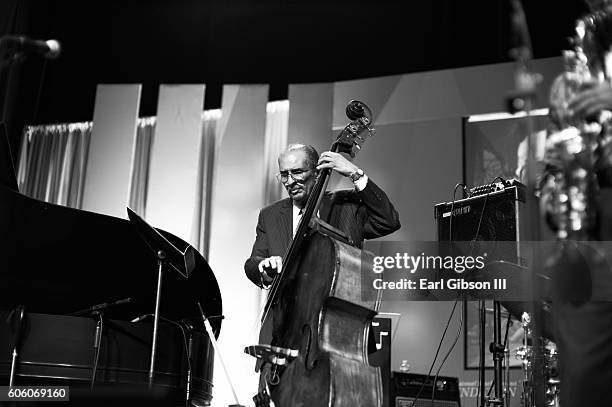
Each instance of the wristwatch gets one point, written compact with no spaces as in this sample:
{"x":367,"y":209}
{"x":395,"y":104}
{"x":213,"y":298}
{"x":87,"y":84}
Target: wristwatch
{"x":356,"y":175}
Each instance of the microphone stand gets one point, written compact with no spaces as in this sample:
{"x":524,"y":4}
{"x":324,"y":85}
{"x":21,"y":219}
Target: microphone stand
{"x":189,"y":350}
{"x":161,"y":256}
{"x":96,"y":346}
{"x":497,"y":349}
{"x":10,"y":58}
{"x":100,"y":307}
{"x":97,"y":311}
{"x":6,"y":72}
{"x":18,"y":313}
{"x":187,"y":329}
{"x":482,"y":328}
{"x":211,"y":336}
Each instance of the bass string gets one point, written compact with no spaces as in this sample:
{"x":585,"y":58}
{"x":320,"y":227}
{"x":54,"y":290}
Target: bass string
{"x":292,"y":248}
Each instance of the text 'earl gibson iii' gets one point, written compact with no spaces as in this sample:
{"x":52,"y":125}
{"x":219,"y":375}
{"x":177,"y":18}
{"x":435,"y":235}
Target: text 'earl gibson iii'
{"x":442,"y":284}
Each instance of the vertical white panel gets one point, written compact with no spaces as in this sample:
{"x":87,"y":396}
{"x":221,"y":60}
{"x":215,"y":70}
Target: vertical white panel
{"x":172,"y":195}
{"x":237,"y":198}
{"x":277,"y":128}
{"x":107,"y":182}
{"x":310,"y":114}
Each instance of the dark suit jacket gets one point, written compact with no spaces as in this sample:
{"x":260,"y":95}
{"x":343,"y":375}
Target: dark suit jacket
{"x":367,"y":214}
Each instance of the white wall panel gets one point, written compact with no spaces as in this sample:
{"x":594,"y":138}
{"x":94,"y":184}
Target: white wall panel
{"x":172,"y":195}
{"x":439,"y":94}
{"x":107,"y":182}
{"x":236,"y":200}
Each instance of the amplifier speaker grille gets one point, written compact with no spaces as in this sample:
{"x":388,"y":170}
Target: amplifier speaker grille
{"x":406,"y":386}
{"x":500,"y":220}
{"x":408,"y":402}
{"x":493,"y":218}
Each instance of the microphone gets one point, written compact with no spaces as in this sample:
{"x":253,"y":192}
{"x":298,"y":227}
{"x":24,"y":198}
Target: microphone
{"x":141,"y":318}
{"x":17,"y":317}
{"x":98,"y":334}
{"x":101,"y":307}
{"x":49,"y":49}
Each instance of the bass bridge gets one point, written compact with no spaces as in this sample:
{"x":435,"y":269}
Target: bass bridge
{"x":274,"y":355}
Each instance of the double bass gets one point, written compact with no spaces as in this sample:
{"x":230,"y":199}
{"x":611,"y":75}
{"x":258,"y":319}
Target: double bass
{"x":319,"y":311}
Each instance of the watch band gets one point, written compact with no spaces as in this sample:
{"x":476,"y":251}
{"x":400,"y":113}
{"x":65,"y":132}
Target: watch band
{"x":358,"y":173}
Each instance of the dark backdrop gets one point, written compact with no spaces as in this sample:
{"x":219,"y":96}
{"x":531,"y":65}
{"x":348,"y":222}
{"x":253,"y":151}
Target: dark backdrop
{"x":251,"y":41}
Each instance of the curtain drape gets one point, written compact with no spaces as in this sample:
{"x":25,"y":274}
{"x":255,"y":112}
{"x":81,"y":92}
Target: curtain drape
{"x":52,"y":162}
{"x":208,"y":143}
{"x":139,"y":177}
{"x":276,"y":135}
{"x":277,"y":126}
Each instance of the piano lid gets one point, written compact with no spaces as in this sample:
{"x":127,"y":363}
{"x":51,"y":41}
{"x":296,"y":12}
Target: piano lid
{"x":58,"y":260}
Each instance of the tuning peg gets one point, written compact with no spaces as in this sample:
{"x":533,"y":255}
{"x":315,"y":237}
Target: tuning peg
{"x":371,"y":130}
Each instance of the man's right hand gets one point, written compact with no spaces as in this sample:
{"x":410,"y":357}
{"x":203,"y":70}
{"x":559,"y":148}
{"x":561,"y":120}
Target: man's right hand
{"x":269,"y":268}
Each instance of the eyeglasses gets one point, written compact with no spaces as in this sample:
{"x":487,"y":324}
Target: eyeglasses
{"x":297,"y":175}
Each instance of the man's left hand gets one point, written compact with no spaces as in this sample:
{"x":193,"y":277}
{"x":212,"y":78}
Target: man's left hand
{"x":336,"y":162}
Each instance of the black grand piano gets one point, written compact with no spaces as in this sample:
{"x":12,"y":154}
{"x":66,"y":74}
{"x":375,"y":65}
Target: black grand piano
{"x":55,"y":261}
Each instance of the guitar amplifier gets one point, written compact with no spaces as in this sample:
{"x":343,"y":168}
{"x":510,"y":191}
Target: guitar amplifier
{"x":494,"y":214}
{"x":416,"y":390}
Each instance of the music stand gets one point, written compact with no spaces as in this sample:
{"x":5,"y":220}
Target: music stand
{"x":183,"y":262}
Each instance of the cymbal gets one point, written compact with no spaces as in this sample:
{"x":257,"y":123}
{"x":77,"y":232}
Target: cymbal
{"x":516,"y":309}
{"x":519,"y":282}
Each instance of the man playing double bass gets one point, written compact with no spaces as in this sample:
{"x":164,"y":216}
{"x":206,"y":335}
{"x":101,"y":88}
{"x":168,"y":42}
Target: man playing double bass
{"x":362,"y":213}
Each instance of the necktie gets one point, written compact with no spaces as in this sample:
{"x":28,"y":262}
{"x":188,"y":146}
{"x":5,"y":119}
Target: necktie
{"x":297,"y":221}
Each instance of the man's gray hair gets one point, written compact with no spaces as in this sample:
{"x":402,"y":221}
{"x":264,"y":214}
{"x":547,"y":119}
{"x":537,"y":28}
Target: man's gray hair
{"x":312,"y":157}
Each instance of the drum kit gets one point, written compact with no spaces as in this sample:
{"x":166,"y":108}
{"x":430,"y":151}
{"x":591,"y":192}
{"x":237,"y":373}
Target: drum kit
{"x":543,"y":369}
{"x":550,"y":363}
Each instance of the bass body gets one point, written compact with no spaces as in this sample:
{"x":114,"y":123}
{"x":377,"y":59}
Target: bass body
{"x":326,"y":314}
